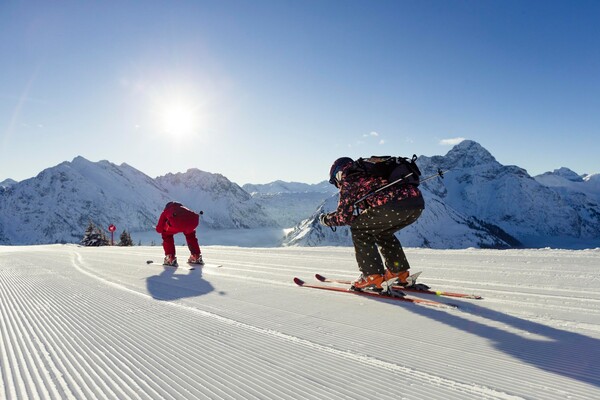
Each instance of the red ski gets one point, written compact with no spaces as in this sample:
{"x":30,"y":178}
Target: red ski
{"x":407,"y":289}
{"x":382,"y":295}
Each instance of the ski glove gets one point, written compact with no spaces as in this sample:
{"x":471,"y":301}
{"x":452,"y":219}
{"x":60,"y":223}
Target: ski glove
{"x":323,"y":219}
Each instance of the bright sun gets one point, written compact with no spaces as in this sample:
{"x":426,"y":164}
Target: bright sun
{"x":179,"y":119}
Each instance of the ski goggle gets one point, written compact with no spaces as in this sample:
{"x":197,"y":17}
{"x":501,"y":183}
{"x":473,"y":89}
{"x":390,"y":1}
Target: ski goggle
{"x":336,"y":177}
{"x":335,"y":172}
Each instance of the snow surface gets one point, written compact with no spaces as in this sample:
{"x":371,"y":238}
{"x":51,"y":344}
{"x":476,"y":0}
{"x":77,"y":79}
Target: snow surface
{"x":100,"y":323}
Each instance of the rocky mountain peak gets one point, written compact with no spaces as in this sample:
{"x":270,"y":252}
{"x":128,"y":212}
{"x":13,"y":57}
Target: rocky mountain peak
{"x":469,"y":154}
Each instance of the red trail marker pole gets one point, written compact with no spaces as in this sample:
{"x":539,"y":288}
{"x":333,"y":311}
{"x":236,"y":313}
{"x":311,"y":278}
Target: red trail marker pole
{"x":112,"y":229}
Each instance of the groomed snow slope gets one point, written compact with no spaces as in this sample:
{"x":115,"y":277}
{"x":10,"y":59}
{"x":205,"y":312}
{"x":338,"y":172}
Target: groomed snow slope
{"x":99,"y":323}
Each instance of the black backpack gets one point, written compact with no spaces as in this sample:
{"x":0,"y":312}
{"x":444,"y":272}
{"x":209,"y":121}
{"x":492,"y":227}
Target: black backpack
{"x":392,"y":169}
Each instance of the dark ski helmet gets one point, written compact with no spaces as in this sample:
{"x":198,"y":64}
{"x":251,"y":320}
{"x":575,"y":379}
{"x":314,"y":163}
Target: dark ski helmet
{"x":337,"y":166}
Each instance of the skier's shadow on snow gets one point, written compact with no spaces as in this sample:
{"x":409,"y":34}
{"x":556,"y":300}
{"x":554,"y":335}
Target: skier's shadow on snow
{"x":172,"y":284}
{"x":569,"y":354}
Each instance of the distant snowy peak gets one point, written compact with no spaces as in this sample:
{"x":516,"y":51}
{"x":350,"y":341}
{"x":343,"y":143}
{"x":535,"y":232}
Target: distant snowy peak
{"x":194,"y":176}
{"x":566,"y":181}
{"x":593,"y":179}
{"x":564,"y":177}
{"x":564,"y":173}
{"x":225,"y":204}
{"x":592,"y":185}
{"x":279,"y":186}
{"x":196,"y":180}
{"x":469,"y":154}
{"x":7,"y":183}
{"x":288,"y":203}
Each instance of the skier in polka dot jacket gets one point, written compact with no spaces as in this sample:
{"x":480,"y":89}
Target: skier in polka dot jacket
{"x":374,"y":226}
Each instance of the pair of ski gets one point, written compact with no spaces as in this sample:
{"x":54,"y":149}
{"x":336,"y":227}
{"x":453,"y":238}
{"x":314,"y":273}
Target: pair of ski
{"x":393,"y":292}
{"x":189,"y":266}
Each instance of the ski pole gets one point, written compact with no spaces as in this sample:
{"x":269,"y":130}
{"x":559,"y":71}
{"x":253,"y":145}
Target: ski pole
{"x":439,"y":173}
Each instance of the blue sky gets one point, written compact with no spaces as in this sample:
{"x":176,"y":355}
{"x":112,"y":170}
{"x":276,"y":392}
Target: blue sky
{"x":266,"y":90}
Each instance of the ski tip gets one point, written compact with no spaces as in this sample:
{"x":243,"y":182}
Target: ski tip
{"x":298,"y":281}
{"x":320,"y":277}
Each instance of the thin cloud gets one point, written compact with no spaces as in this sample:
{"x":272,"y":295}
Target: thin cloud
{"x":451,"y":141}
{"x":368,"y":138}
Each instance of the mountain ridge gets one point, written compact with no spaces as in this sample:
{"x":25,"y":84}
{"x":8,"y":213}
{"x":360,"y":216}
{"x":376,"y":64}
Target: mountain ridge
{"x":478,"y":203}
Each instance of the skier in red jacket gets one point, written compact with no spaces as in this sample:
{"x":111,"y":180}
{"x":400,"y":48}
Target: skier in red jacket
{"x":176,"y":218}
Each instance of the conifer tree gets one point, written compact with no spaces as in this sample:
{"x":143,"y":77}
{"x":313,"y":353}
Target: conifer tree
{"x":87,"y":236}
{"x":94,"y":236}
{"x":125,"y":239}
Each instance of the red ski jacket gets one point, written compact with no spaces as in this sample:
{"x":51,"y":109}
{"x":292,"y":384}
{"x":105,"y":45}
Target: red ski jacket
{"x":177,"y":219}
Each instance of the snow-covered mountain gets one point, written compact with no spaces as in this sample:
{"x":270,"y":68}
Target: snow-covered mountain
{"x":289,"y":187}
{"x":7,"y":183}
{"x":228,"y":204}
{"x":481,"y":203}
{"x":289,"y":203}
{"x":57,"y":205}
{"x":564,"y":181}
{"x":508,"y":197}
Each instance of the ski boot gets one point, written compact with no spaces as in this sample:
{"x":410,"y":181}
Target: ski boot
{"x":196,"y":259}
{"x":170,"y":260}
{"x":395,"y":278}
{"x":372,"y":282}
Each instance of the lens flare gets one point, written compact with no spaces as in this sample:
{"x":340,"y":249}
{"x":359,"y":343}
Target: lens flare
{"x":179,"y":119}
